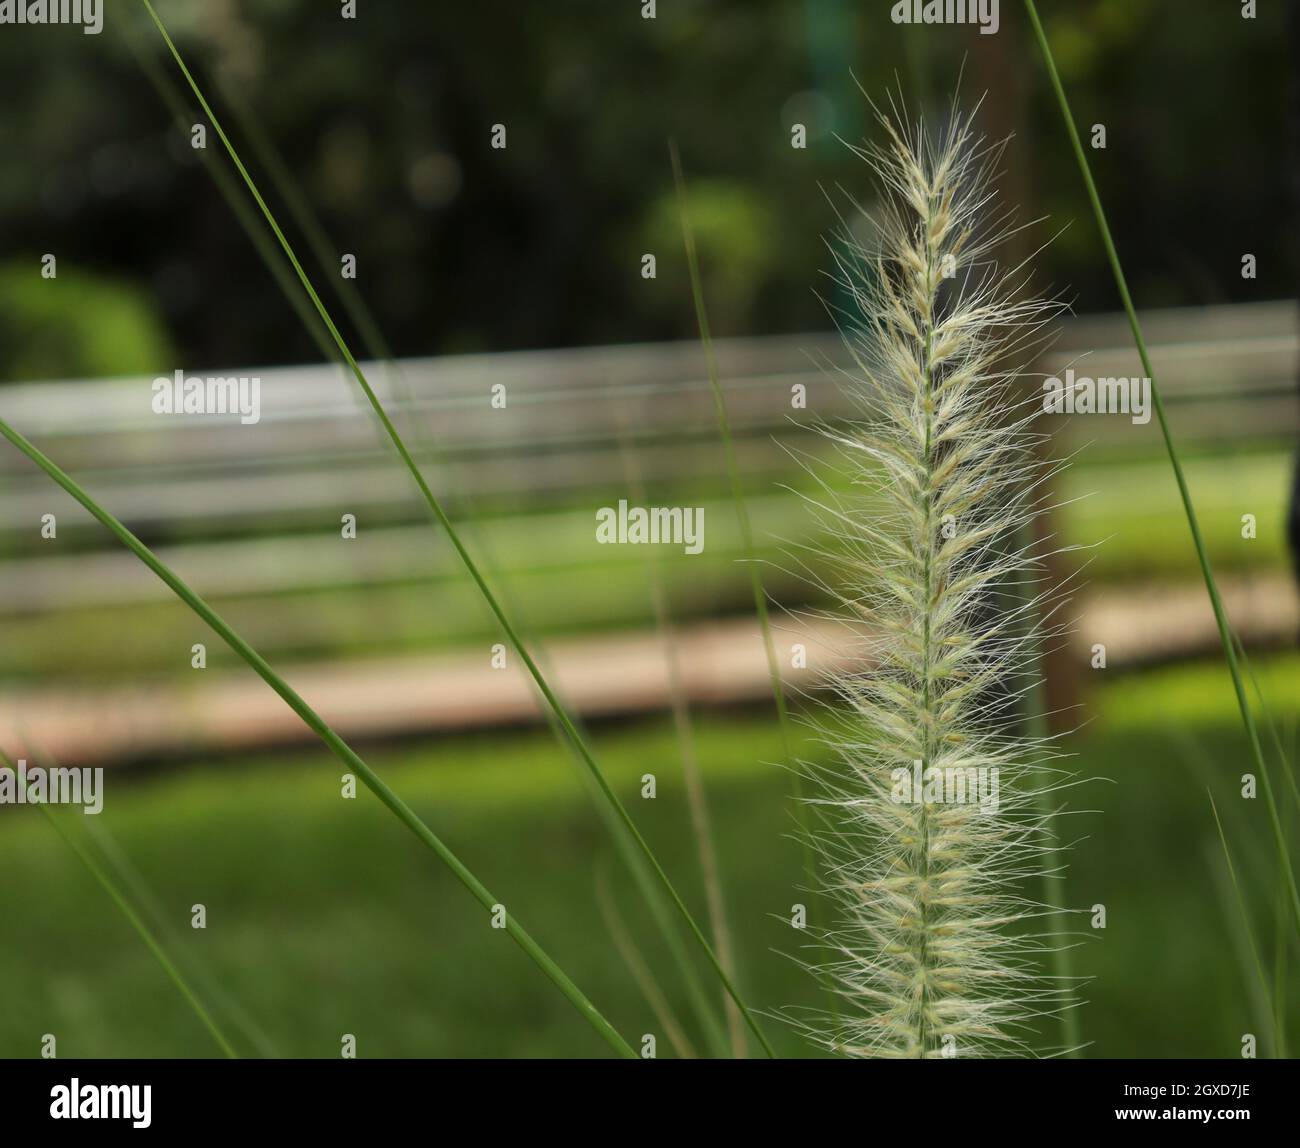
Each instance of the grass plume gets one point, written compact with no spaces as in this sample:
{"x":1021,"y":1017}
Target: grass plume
{"x":934,"y":799}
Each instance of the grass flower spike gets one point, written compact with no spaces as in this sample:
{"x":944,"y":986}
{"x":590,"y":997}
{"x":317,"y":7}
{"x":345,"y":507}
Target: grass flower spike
{"x":934,"y":820}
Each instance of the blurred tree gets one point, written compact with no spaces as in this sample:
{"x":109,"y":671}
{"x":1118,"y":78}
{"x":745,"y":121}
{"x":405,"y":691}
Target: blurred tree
{"x":385,"y":122}
{"x":78,"y":325}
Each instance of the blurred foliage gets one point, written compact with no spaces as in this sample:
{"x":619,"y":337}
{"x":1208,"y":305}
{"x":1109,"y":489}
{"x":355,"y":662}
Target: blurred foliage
{"x":733,"y":225}
{"x":385,"y":123}
{"x":77,"y":325}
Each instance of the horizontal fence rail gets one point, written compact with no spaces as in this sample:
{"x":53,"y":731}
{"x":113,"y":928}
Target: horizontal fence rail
{"x":250,"y":514}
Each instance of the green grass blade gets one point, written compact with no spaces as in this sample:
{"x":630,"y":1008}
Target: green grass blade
{"x":254,"y":226}
{"x":313,"y":231}
{"x":269,"y":254}
{"x":440,"y":515}
{"x":134,"y":885}
{"x":733,"y":471}
{"x":696,"y":797}
{"x":377,"y":347}
{"x":372,"y":339}
{"x":317,"y":725}
{"x":639,"y":969}
{"x":1220,"y":615}
{"x":1279,"y":976}
{"x":1245,"y":923}
{"x":738,"y":497}
{"x":1287,"y":767}
{"x":142,"y":930}
{"x":747,"y":536}
{"x":1280,"y":952}
{"x":698,"y":804}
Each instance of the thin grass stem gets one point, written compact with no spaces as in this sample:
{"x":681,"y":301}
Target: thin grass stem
{"x":1245,"y":922}
{"x":142,"y":930}
{"x":372,"y":338}
{"x":746,"y":529}
{"x":640,"y":970}
{"x":696,"y":796}
{"x":317,"y":725}
{"x":440,"y":515}
{"x":375,"y":344}
{"x":1184,"y":492}
{"x":135,"y":886}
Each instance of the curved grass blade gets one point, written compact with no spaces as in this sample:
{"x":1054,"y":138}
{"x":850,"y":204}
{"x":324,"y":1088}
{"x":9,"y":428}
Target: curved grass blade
{"x":269,"y":254}
{"x":375,"y":344}
{"x":746,"y":534}
{"x":1246,"y":925}
{"x":1284,"y":762}
{"x":440,"y":515}
{"x":344,"y":752}
{"x":372,"y":339}
{"x":696,"y":797}
{"x":142,"y":930}
{"x":135,"y":886}
{"x":641,"y":972}
{"x":1157,"y":403}
{"x":733,"y":471}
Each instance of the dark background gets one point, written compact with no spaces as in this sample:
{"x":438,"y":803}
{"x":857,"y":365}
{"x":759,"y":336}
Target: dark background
{"x":385,"y":124}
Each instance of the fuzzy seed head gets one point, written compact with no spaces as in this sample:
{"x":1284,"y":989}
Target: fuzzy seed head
{"x":934,"y":820}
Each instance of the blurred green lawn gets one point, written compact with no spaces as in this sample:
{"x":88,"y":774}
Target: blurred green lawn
{"x":326,"y":917}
